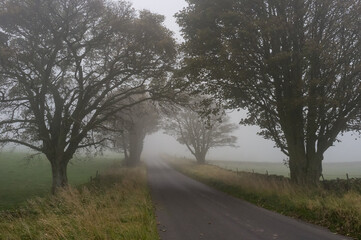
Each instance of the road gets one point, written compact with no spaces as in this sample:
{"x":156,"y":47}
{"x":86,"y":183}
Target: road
{"x":189,"y":210}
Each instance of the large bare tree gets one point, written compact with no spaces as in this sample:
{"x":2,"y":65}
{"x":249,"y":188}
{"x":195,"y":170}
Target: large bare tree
{"x":200,"y":134}
{"x":67,"y":64}
{"x":294,"y":64}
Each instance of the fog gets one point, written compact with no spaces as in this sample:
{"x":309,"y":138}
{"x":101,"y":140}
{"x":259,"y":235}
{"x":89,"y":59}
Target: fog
{"x":251,"y":146}
{"x":165,"y":7}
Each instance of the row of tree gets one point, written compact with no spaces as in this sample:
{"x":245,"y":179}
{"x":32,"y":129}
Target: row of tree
{"x":75,"y":74}
{"x":67,"y":66}
{"x":79,"y":73}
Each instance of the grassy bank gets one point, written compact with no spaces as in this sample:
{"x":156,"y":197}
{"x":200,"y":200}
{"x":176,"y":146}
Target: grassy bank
{"x":21,"y":179}
{"x":341,"y":213}
{"x":116,"y":205}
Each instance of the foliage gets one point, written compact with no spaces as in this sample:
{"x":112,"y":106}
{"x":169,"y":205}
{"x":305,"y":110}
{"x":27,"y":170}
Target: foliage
{"x":295,"y":65}
{"x":116,"y":205}
{"x":339,"y":213}
{"x":66,"y":65}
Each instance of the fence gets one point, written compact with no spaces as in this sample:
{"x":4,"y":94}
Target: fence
{"x":284,"y":172}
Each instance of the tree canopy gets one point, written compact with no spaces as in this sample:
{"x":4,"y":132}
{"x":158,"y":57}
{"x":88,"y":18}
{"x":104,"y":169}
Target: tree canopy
{"x":295,"y":65}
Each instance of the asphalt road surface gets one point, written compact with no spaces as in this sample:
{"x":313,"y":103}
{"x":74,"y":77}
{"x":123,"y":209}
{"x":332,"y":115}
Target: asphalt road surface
{"x":189,"y":210}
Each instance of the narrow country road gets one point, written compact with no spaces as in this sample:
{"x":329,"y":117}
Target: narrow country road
{"x":189,"y":210}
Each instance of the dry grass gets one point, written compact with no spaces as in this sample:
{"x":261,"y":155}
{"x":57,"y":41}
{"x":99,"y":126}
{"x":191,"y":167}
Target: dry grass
{"x":339,"y":213}
{"x":116,"y":205}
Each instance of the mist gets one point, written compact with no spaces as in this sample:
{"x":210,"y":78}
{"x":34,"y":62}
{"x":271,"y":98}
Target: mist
{"x":112,"y":124}
{"x":251,"y":147}
{"x":166,"y":8}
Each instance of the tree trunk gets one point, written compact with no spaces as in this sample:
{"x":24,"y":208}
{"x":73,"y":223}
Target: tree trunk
{"x":136,"y":139}
{"x":305,"y":170}
{"x":297,"y":169}
{"x":201,"y":158}
{"x":314,"y":169}
{"x":59,"y":172}
{"x":126,"y":156}
{"x":297,"y":161}
{"x":125,"y":148}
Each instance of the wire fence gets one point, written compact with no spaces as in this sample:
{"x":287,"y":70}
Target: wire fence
{"x":285,"y":172}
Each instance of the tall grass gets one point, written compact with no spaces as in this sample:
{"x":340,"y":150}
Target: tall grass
{"x":341,"y":213}
{"x":116,"y":205}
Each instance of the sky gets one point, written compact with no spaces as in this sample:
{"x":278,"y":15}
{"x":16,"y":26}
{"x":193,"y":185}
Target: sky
{"x":165,"y":7}
{"x":251,"y":147}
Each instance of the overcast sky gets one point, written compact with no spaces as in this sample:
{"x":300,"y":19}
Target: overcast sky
{"x":164,"y":7}
{"x":251,"y":146}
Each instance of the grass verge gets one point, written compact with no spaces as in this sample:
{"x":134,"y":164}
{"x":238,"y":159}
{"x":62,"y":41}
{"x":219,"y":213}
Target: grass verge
{"x":341,"y":213}
{"x":116,"y":205}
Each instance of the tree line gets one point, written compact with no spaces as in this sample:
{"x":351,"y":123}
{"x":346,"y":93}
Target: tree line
{"x":75,"y":74}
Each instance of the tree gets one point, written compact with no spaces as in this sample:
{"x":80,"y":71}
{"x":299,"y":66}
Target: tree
{"x":131,"y":126}
{"x":294,"y":64}
{"x":200,"y":134}
{"x":67,"y":64}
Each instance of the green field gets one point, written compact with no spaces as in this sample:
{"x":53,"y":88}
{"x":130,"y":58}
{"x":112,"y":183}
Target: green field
{"x":330,"y":170}
{"x":21,"y":178}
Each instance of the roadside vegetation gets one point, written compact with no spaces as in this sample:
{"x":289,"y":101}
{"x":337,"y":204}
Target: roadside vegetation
{"x":115,"y":205}
{"x":339,"y":211}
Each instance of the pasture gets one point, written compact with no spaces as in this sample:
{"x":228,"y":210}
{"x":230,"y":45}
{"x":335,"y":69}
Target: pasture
{"x":22,"y":178}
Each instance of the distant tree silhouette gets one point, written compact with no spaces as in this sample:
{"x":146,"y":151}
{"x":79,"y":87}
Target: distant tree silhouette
{"x":130,"y":127}
{"x":200,"y":134}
